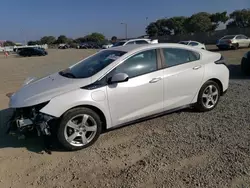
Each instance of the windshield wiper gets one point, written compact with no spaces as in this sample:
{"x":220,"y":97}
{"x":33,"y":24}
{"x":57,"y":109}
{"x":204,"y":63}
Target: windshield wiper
{"x":68,"y":74}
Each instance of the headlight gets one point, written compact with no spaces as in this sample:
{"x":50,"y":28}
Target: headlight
{"x":38,"y":107}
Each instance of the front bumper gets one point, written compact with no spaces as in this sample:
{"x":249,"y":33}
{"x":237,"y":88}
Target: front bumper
{"x":29,"y":119}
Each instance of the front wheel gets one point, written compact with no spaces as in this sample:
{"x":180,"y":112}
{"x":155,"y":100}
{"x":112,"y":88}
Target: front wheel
{"x":208,"y":97}
{"x":79,"y":128}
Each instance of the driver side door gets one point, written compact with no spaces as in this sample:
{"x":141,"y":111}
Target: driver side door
{"x":142,"y":94}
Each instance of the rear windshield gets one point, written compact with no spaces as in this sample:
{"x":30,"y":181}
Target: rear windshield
{"x":229,"y":37}
{"x":92,"y":65}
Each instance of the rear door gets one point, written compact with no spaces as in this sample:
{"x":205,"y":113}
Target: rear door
{"x":245,"y":40}
{"x":240,"y":41}
{"x":183,"y":74}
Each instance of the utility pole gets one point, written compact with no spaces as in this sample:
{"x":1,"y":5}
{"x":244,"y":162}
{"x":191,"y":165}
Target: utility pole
{"x":126,"y":29}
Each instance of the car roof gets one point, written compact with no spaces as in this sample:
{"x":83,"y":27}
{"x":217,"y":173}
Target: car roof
{"x":230,"y":36}
{"x":132,"y":40}
{"x":137,"y":47}
{"x":189,"y":41}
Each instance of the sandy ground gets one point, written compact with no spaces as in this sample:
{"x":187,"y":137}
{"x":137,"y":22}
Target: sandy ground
{"x":183,"y":149}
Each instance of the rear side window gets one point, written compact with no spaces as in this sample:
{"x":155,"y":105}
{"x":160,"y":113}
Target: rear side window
{"x":176,"y":56}
{"x":243,"y":37}
{"x":141,"y":42}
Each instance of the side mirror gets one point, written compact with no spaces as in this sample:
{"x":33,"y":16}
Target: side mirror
{"x":117,"y":78}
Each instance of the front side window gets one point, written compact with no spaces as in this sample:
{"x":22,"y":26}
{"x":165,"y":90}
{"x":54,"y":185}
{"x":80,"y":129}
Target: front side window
{"x":132,"y":42}
{"x":176,"y":56}
{"x":139,"y":64}
{"x":193,"y":44}
{"x":92,"y":65}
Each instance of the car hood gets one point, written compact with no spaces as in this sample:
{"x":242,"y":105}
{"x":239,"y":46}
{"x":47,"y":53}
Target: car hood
{"x":44,"y":89}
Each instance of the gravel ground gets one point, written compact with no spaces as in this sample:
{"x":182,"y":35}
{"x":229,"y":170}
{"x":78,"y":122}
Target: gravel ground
{"x":182,"y":149}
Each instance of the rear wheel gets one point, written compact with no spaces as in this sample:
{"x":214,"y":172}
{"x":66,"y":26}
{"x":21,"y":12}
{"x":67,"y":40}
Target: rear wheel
{"x":208,"y":97}
{"x":236,"y":47}
{"x":79,"y":128}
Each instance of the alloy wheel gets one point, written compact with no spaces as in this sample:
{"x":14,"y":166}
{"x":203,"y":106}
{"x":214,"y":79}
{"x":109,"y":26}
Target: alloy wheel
{"x":210,"y":96}
{"x":80,"y":130}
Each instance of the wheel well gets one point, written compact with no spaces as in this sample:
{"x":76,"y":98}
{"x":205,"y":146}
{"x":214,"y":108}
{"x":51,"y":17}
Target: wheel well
{"x":219,"y":83}
{"x":99,"y":112}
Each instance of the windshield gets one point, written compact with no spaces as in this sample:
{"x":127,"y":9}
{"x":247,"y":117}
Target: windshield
{"x":92,"y":65}
{"x":229,"y":37}
{"x":183,"y":42}
{"x":119,"y":43}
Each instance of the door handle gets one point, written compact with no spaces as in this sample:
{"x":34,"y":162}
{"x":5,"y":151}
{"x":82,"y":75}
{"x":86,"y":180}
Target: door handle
{"x":154,"y":80}
{"x":197,"y":67}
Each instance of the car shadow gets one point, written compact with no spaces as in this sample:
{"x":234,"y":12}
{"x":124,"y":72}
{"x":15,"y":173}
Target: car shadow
{"x":236,"y":73}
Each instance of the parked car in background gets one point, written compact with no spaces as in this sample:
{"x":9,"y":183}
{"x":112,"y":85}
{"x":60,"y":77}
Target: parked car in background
{"x":90,"y":45}
{"x":233,"y":42}
{"x":135,"y":41}
{"x":106,"y":46}
{"x":194,"y":44}
{"x":27,"y":52}
{"x":118,"y":86}
{"x":245,"y":63}
{"x":63,"y":46}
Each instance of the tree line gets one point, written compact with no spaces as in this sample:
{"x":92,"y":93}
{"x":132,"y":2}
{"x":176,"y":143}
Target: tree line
{"x":199,"y":22}
{"x":62,"y":39}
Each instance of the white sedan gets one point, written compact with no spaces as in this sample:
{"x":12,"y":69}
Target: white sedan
{"x":118,"y":86}
{"x":194,"y":44}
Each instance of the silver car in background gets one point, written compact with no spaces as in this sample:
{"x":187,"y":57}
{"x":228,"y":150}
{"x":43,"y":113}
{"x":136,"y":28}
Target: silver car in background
{"x":233,"y":42}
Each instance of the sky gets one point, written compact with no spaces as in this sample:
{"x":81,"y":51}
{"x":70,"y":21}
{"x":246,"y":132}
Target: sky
{"x":24,"y":20}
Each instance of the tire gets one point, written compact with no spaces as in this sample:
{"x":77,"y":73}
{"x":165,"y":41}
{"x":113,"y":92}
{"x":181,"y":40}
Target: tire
{"x":65,"y":133}
{"x":245,"y":66}
{"x":236,"y":47}
{"x":205,"y":91}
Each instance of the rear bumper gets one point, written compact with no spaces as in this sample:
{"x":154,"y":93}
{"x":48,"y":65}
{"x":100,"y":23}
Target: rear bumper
{"x":226,"y":46}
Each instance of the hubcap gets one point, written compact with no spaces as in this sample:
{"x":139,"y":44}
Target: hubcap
{"x":80,"y":130}
{"x":210,"y":96}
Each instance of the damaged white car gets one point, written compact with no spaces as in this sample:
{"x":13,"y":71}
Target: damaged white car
{"x":118,"y":86}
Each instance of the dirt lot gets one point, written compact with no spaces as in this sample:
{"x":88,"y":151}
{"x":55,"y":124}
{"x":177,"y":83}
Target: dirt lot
{"x":182,"y":149}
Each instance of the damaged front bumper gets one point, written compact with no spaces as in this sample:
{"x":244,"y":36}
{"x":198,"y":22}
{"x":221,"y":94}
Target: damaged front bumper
{"x":30,"y":119}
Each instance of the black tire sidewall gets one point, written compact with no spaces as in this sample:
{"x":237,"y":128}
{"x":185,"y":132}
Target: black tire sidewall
{"x":67,"y":116}
{"x":245,"y":67}
{"x":199,"y":105}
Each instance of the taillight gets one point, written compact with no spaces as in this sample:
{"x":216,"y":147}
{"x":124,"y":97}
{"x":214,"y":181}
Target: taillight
{"x":229,"y":41}
{"x":221,"y":61}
